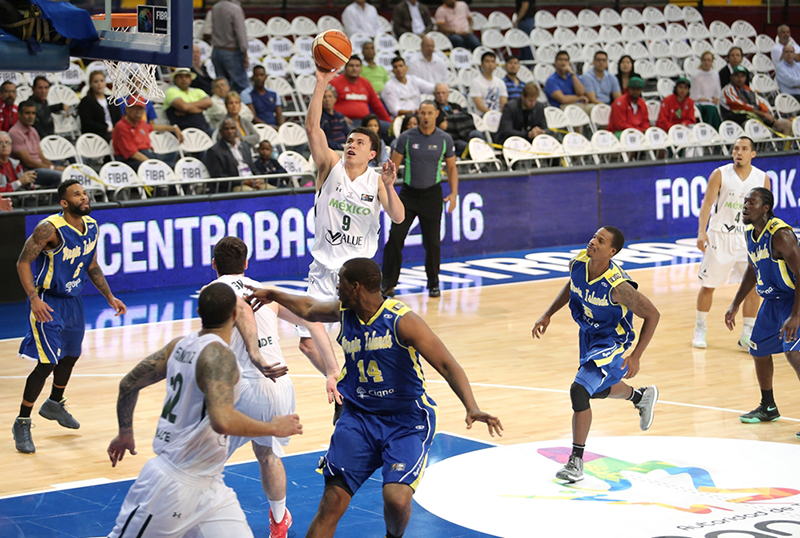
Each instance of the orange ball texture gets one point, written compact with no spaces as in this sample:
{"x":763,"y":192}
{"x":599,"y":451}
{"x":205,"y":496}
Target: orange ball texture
{"x":331,"y":50}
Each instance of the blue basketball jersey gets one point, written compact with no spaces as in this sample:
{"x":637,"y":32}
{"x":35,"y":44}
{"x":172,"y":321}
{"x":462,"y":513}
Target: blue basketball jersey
{"x":773,"y":279}
{"x":381,"y":375}
{"x":62,"y":271}
{"x":591,"y":303}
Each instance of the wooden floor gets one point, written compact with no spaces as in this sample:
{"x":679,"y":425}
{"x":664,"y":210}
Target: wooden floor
{"x":488,"y":330}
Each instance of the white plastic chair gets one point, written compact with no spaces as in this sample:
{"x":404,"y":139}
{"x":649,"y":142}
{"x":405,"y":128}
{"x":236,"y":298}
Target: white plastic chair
{"x":461,"y":57}
{"x":578,"y":149}
{"x":606,"y":146}
{"x":680,"y":50}
{"x":255,"y":28}
{"x":157,"y":173}
{"x":759,"y":133}
{"x":632,"y":33}
{"x":654,"y":32}
{"x":763,"y":64}
{"x":631,"y":17}
{"x":666,"y":67}
{"x":267,"y":132}
{"x":408,"y":42}
{"x":294,"y":163}
{"x":92,"y":146}
{"x":480,"y":152}
{"x":653,"y":15}
{"x":327,"y":22}
{"x":197,"y":27}
{"x":544,"y":19}
{"x":279,"y":47}
{"x":292,"y":135}
{"x":499,"y":20}
{"x":303,"y":26}
{"x":56,"y":148}
{"x":719,"y":30}
{"x":646,"y":69}
{"x":673,"y":13}
{"x":386,"y":43}
{"x":656,"y":139}
{"x":786,"y":105}
{"x":746,"y":44}
{"x":609,"y":34}
{"x":690,"y":14}
{"x":609,"y":17}
{"x":706,"y":136}
{"x":556,"y":119}
{"x":195,"y":141}
{"x":764,"y":84}
{"x":546,"y":148}
{"x":653,"y":108}
{"x":303,"y":46}
{"x":637,"y":51}
{"x":60,"y":94}
{"x":479,"y":21}
{"x":691,"y":65}
{"x":492,"y":120}
{"x":764,"y":43}
{"x":677,"y":31}
{"x":120,"y":177}
{"x":440,"y":41}
{"x":665,"y":87}
{"x":659,"y":50}
{"x":547,"y":54}
{"x":633,"y":142}
{"x":492,"y":39}
{"x":599,"y":116}
{"x":566,"y":19}
{"x":516,"y":149}
{"x":680,"y":137}
{"x":164,"y":143}
{"x":698,"y":30}
{"x":516,"y":39}
{"x":701,"y":46}
{"x":729,"y":131}
{"x":587,"y":36}
{"x":189,"y":169}
{"x":564,"y":36}
{"x":278,"y":26}
{"x":588,"y":19}
{"x":743,"y":28}
{"x":73,"y":76}
{"x":576,"y":116}
{"x":83,"y":174}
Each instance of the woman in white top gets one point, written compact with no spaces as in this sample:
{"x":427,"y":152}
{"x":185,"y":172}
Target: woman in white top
{"x":706,"y":90}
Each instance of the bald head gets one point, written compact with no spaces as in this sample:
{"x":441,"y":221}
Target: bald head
{"x":441,"y":93}
{"x":427,"y":47}
{"x":788,"y":54}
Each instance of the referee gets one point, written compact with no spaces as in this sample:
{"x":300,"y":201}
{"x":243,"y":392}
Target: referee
{"x":422,"y":150}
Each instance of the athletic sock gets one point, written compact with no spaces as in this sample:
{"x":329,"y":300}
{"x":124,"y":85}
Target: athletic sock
{"x":701,"y":317}
{"x":57,"y":394}
{"x":278,"y":509}
{"x":25,"y":411}
{"x":636,"y":396}
{"x":767,"y":399}
{"x":749,"y":322}
{"x":577,"y":450}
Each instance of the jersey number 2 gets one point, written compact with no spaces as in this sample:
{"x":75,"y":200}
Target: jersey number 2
{"x":177,"y":384}
{"x":372,"y":370}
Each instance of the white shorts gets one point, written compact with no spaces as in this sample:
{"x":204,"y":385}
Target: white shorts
{"x":165,"y":502}
{"x":322,"y":283}
{"x":726,"y":254}
{"x":263,"y":399}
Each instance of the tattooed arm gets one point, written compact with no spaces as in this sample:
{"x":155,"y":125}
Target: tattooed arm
{"x":151,"y":370}
{"x":216,"y":376}
{"x":627,"y":295}
{"x":44,"y":237}
{"x":99,"y":280}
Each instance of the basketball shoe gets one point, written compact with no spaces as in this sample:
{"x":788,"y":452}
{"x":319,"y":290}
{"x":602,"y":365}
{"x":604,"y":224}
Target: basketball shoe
{"x":762,"y":413}
{"x":699,"y":339}
{"x":646,"y":406}
{"x":280,"y":529}
{"x":22,"y":435}
{"x":572,"y":471}
{"x":53,"y":410}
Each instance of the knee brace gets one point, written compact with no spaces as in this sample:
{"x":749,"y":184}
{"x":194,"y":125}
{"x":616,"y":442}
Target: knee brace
{"x":601,"y":395}
{"x":63,"y":370}
{"x":35,"y":382}
{"x":579,"y":396}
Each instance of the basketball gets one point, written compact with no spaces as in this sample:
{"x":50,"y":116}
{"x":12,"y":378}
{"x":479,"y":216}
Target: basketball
{"x":331,"y":49}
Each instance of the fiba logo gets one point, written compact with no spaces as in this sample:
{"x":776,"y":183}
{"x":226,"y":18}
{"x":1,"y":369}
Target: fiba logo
{"x":145,"y":20}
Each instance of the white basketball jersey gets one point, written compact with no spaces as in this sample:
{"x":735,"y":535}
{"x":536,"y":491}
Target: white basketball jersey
{"x":269,"y":342}
{"x":727,"y":217}
{"x":184,"y":435}
{"x":346,"y":217}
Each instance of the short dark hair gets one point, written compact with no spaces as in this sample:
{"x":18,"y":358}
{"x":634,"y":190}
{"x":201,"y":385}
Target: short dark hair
{"x":512,"y":57}
{"x":767,"y":198}
{"x":745,"y":137}
{"x":354,"y":57}
{"x":398,"y":59}
{"x":599,"y":52}
{"x":368,"y":118}
{"x":26,"y":104}
{"x":562,"y":52}
{"x":488,"y":54}
{"x":374,"y":139}
{"x":618,"y":240}
{"x":230,"y":254}
{"x":259,"y":67}
{"x":737,"y":48}
{"x":40,"y":77}
{"x":406,"y":120}
{"x":363,"y":271}
{"x":64,"y":185}
{"x":7,"y":82}
{"x":216,"y":305}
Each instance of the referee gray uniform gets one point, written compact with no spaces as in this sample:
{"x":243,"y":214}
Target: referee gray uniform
{"x":422,"y":197}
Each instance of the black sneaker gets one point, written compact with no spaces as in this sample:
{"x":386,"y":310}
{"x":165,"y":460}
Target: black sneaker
{"x":22,"y":435}
{"x":53,"y":410}
{"x":762,"y":413}
{"x":435,"y":292}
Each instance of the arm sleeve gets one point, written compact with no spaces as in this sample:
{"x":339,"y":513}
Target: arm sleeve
{"x":787,"y":78}
{"x":617,"y":116}
{"x":506,"y":128}
{"x":664,"y":121}
{"x":451,"y":146}
{"x":423,"y":85}
{"x":643,"y":116}
{"x":240,"y":30}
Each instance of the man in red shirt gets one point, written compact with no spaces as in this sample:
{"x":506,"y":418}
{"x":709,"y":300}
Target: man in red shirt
{"x":131,"y":136}
{"x":8,"y":110}
{"x":677,"y":108}
{"x":629,"y":109}
{"x":12,"y":177}
{"x":355,"y":95}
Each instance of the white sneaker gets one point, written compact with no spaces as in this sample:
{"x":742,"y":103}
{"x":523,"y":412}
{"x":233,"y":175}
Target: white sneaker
{"x":744,"y":339}
{"x":699,"y":339}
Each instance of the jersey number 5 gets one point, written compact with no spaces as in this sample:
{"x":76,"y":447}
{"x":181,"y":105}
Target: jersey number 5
{"x":177,"y":385}
{"x":372,"y":370}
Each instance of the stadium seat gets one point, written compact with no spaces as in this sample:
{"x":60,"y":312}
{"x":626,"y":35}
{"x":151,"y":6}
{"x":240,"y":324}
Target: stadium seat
{"x":633,"y":143}
{"x":94,"y":147}
{"x":159,"y":176}
{"x":480,"y":152}
{"x":58,"y":149}
{"x":516,"y":149}
{"x":121,"y":179}
{"x":606,"y":146}
{"x":588,"y":19}
{"x":657,"y":141}
{"x":87,"y":178}
{"x":578,"y":150}
{"x":195,"y":141}
{"x":191,"y":170}
{"x":786,"y":105}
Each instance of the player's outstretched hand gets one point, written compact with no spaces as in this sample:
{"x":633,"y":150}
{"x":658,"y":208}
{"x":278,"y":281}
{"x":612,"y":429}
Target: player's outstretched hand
{"x":389,"y":174}
{"x":41,"y":310}
{"x":633,"y":366}
{"x":730,"y":317}
{"x":333,"y":392}
{"x":258,"y":298}
{"x":541,"y":326}
{"x":273,"y":371}
{"x":789,"y":329}
{"x":286,"y":425}
{"x":479,"y":416}
{"x":118,"y":306}
{"x":325,"y":76}
{"x":118,"y":446}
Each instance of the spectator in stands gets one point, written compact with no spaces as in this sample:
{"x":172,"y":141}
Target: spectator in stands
{"x":453,"y":19}
{"x":201,"y":78}
{"x":784,"y":38}
{"x":232,"y":157}
{"x":564,"y":87}
{"x":217,"y":111}
{"x":265,"y":104}
{"x":454,"y":119}
{"x":12,"y":177}
{"x":787,"y":72}
{"x":600,"y":85}
{"x":229,"y":39}
{"x":244,"y":127}
{"x":677,"y":108}
{"x":97,"y":115}
{"x":333,"y":123}
{"x":487,"y":91}
{"x":735,"y":57}
{"x":525,"y":22}
{"x":267,"y":164}
{"x":25,"y":147}
{"x":130,"y":139}
{"x":739,"y":103}
{"x":373,"y":72}
{"x":625,"y":72}
{"x":629,"y":109}
{"x":706,"y":90}
{"x":523,"y":116}
{"x":428,"y":66}
{"x":371,"y":121}
{"x":402,"y":94}
{"x":411,"y":16}
{"x":149,"y":111}
{"x":410,"y":121}
{"x":44,"y":112}
{"x":361,"y":17}
{"x":513,"y":84}
{"x":185,"y":105}
{"x":355,"y":96}
{"x":8,"y":110}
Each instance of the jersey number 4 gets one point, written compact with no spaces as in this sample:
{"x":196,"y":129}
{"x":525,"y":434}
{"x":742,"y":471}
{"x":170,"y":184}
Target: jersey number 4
{"x":177,"y":385}
{"x":372,"y":370}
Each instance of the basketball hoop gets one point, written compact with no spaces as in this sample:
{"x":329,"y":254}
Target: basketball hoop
{"x":129,"y":78}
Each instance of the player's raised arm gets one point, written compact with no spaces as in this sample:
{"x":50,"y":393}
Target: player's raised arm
{"x":300,"y":305}
{"x":324,"y":157}
{"x":149,"y":371}
{"x":625,"y":294}
{"x":413,"y":331}
{"x":543,"y":322}
{"x":217,"y":373}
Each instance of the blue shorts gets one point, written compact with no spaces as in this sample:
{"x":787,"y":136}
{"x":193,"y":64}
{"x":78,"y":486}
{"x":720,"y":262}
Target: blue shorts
{"x":63,"y":337}
{"x":399,"y":444}
{"x":601,"y":363}
{"x":766,"y":339}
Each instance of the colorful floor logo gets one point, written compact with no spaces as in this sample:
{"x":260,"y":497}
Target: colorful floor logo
{"x":635,"y":487}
